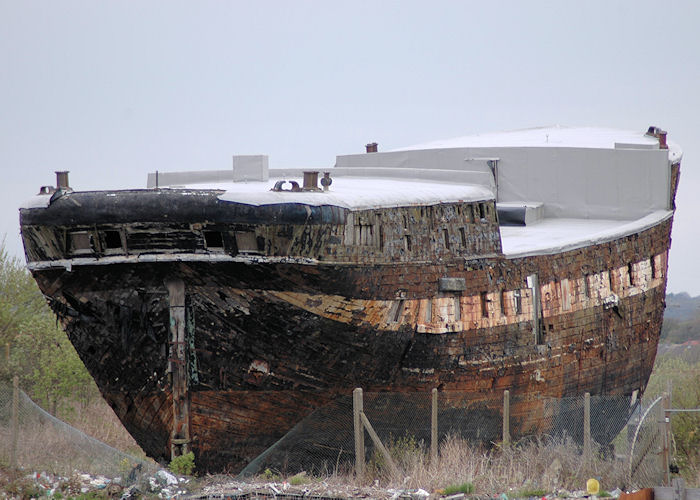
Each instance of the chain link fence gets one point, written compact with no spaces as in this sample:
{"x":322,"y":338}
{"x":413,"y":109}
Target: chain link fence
{"x":623,"y":431}
{"x":628,"y":433}
{"x":644,"y":440}
{"x":32,"y":439}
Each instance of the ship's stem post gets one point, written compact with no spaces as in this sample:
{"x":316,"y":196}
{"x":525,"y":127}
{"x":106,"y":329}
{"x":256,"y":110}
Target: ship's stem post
{"x":15,"y":422}
{"x":506,"y":417}
{"x":587,"y":426}
{"x":434,"y":427}
{"x":357,"y":409}
{"x":180,"y":434}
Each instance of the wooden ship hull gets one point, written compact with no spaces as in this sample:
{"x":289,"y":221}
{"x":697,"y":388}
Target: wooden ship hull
{"x":216,"y":325}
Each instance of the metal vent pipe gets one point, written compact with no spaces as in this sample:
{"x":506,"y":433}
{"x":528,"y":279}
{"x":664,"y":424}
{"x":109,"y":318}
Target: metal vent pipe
{"x":62,"y":179}
{"x":311,"y":181}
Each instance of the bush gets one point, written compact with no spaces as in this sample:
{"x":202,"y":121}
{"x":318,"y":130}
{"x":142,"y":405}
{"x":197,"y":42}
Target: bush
{"x":183,"y":465}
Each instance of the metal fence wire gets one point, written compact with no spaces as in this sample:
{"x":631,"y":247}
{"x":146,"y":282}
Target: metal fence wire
{"x":645,"y":445}
{"x":324,"y":441}
{"x":36,"y":440}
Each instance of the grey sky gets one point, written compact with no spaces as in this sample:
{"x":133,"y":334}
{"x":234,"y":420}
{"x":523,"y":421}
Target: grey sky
{"x":111,"y":90}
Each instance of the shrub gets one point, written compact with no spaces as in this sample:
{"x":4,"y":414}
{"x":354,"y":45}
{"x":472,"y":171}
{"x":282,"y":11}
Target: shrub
{"x":183,"y":465}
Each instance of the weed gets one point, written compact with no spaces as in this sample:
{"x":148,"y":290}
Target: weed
{"x":528,"y":493}
{"x":270,"y":475}
{"x":24,"y":488}
{"x":466,"y":488}
{"x":406,"y":452}
{"x":299,"y":479}
{"x":92,"y":495}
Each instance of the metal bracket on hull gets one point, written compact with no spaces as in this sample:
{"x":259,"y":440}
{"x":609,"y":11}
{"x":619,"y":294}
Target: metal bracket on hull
{"x":177,"y":366}
{"x":534,"y":283}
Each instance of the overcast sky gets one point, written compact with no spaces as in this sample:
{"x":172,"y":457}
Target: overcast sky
{"x":111,"y":90}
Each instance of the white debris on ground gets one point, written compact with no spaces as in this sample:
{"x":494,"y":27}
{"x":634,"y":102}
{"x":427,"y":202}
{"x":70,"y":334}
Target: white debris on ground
{"x":162,"y":484}
{"x":219,"y":487}
{"x":312,"y":489}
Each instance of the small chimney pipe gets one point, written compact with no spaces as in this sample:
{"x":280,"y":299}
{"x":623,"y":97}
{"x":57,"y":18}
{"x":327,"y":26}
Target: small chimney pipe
{"x":311,"y":181}
{"x":659,"y":134}
{"x":62,"y":179}
{"x":371,"y":147}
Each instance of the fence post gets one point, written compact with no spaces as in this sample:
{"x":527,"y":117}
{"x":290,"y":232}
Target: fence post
{"x":679,"y":491}
{"x":378,"y":443}
{"x":357,"y":409}
{"x":587,"y":426}
{"x":434,"y":427}
{"x":666,"y":436}
{"x":15,"y":422}
{"x":506,"y":417}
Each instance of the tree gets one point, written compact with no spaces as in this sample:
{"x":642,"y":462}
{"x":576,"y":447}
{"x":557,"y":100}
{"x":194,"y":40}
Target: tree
{"x":36,"y":350}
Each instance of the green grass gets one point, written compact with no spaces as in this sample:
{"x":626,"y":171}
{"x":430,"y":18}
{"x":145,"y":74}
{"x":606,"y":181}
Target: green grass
{"x":299,"y":479}
{"x":466,"y":488}
{"x":527,"y":493}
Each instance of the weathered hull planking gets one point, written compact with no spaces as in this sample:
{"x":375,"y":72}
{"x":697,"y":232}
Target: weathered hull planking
{"x":266,"y":355}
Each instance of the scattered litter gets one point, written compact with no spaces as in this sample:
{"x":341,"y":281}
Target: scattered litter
{"x":166,"y":478}
{"x":163,"y":484}
{"x":592,"y":486}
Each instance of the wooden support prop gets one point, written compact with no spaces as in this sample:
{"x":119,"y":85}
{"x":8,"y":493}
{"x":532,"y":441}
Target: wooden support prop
{"x":666,"y":436}
{"x":15,"y":422}
{"x":434,"y":427}
{"x":377,"y":442}
{"x":506,"y":417}
{"x":357,"y":410}
{"x":587,"y":426}
{"x":180,"y":433}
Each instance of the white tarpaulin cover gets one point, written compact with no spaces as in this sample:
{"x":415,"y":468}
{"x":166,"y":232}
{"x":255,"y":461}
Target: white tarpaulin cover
{"x":575,"y":172}
{"x":588,"y":184}
{"x":357,"y":193}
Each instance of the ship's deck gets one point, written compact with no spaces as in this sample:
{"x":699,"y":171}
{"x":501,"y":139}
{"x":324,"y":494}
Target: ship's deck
{"x":546,"y":236}
{"x":353,"y":192}
{"x":550,"y":236}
